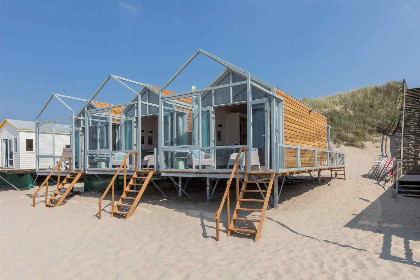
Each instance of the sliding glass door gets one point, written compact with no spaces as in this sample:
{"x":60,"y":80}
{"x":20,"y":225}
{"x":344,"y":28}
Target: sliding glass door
{"x":260,"y":131}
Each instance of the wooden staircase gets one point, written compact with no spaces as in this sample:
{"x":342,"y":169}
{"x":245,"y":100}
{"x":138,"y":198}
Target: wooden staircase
{"x":245,"y":224}
{"x":63,"y":189}
{"x":240,"y":223}
{"x":132,"y":193}
{"x":339,"y":173}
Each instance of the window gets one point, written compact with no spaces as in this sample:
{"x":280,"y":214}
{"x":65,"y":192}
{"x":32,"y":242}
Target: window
{"x":15,"y":145}
{"x":29,"y":145}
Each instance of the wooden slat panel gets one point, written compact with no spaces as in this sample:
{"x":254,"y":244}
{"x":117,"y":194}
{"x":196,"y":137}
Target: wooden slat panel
{"x":302,"y":127}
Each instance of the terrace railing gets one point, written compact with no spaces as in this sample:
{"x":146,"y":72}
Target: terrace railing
{"x":192,"y":157}
{"x":290,"y":157}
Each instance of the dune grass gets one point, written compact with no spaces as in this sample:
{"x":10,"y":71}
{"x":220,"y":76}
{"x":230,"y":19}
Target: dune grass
{"x":361,"y":114}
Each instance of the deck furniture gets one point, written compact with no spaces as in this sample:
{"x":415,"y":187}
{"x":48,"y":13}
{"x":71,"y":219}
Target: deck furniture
{"x":206,"y":159}
{"x":117,"y":159}
{"x":255,"y":160}
{"x":148,"y":162}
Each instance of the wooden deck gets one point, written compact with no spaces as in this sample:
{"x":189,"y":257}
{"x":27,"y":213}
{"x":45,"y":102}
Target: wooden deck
{"x":16,"y":171}
{"x":204,"y":174}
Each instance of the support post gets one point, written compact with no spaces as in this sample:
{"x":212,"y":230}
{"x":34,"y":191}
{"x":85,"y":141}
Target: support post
{"x":319,"y":177}
{"x":180,"y":186}
{"x":276,"y":191}
{"x":208,"y":189}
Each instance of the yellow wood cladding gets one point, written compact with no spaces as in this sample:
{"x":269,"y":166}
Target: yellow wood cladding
{"x":303,"y":127}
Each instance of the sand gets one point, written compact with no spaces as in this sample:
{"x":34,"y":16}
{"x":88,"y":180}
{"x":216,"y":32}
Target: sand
{"x":349,"y":229}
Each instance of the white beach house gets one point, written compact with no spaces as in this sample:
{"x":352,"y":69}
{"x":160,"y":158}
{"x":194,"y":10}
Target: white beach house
{"x":18,"y":144}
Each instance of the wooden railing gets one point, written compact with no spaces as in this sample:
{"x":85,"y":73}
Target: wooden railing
{"x":48,"y":178}
{"x":226,"y":195}
{"x":112,"y":183}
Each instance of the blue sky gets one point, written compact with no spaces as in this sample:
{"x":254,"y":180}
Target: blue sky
{"x":307,"y":48}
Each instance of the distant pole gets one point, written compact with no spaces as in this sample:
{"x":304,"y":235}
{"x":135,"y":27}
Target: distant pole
{"x":402,"y":121}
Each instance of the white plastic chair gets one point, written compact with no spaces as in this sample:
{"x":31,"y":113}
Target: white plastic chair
{"x":206,"y":160}
{"x":255,"y":159}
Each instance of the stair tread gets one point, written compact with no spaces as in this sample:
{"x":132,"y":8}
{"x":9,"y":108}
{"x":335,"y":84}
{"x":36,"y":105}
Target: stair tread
{"x":124,"y":205}
{"x":251,"y":200}
{"x":260,"y":172}
{"x":258,"y":182}
{"x":135,"y":184}
{"x":255,"y":190}
{"x":249,"y":209}
{"x":132,"y":191}
{"x":128,"y":197}
{"x":120,"y":212}
{"x":247,"y":220}
{"x":244,"y":230}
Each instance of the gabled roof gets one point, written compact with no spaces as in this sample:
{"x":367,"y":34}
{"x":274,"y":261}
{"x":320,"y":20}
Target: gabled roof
{"x":116,"y":111}
{"x":166,"y":92}
{"x":19,"y":125}
{"x":30,"y":126}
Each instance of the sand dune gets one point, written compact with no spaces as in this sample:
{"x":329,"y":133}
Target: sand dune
{"x":349,"y":229}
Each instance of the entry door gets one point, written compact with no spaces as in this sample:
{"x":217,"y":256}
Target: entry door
{"x":5,"y":152}
{"x":277,"y":138}
{"x":180,"y":127}
{"x":260,"y":131}
{"x":168,"y":124}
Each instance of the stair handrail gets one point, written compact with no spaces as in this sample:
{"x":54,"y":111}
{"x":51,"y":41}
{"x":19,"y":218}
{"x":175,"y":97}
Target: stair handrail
{"x":235,"y":170}
{"x":58,"y":165}
{"x":112,"y":183}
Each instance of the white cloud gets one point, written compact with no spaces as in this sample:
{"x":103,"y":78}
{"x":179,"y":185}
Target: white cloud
{"x":128,"y":7}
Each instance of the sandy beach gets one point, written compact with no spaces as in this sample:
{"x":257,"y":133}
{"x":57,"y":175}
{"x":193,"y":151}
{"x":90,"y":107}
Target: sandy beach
{"x":350,"y":229}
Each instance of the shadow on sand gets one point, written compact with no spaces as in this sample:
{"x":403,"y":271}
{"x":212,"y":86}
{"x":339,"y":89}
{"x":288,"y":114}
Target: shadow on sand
{"x":393,"y":220}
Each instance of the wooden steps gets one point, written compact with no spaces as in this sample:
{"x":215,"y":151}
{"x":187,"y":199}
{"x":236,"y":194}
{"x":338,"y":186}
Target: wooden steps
{"x":124,"y":209}
{"x":63,"y":189}
{"x":243,"y":230}
{"x":247,"y":224}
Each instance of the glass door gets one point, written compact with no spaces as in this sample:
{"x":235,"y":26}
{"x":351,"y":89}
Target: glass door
{"x":260,"y":132}
{"x":181,"y":128}
{"x":11,"y":154}
{"x":168,"y":129}
{"x":277,"y":161}
{"x":207,"y":127}
{"x":77,"y":148}
{"x":5,"y":153}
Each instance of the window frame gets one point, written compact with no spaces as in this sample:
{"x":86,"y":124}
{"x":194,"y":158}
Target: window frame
{"x":26,"y":144}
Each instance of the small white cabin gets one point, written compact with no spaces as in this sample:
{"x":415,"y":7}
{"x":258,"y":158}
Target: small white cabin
{"x":18,"y":144}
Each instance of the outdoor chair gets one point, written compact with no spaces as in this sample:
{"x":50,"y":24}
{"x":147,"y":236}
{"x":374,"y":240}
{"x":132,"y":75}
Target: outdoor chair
{"x":148,"y":162}
{"x":117,"y":159}
{"x":206,"y":159}
{"x":67,"y":152}
{"x":255,"y":160}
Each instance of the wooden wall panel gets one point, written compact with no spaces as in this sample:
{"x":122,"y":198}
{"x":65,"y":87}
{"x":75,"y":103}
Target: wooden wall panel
{"x":302,"y":127}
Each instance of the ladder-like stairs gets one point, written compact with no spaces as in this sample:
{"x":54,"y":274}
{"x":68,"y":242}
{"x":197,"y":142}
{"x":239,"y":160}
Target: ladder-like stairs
{"x":244,"y":224}
{"x":132,"y":193}
{"x":339,"y":173}
{"x":63,"y":189}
